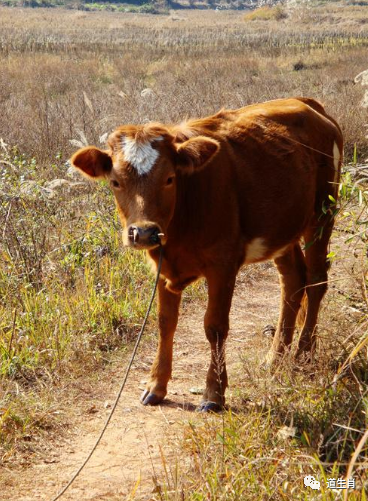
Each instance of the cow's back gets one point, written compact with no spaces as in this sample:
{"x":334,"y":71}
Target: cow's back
{"x":275,"y":166}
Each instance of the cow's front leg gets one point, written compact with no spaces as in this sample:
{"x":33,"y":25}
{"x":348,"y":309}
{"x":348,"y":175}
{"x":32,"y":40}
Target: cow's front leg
{"x":216,"y":324}
{"x":168,"y":312}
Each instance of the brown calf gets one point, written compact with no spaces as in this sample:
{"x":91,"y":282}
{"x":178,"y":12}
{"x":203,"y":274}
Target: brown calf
{"x":239,"y":187}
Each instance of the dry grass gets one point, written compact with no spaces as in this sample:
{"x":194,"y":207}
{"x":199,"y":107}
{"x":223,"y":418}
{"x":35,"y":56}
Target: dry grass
{"x":65,"y":302}
{"x":69,"y":71}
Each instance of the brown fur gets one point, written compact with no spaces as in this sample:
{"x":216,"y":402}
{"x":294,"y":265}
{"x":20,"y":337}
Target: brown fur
{"x":240,"y":186}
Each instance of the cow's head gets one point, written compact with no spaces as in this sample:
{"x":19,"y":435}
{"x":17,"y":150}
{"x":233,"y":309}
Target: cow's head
{"x":141,"y":166}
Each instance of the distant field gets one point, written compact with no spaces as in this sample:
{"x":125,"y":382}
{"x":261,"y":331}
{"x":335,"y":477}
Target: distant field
{"x":69,"y":295}
{"x":64,"y":71}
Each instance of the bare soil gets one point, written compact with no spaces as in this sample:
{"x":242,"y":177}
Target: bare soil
{"x":139,"y":449}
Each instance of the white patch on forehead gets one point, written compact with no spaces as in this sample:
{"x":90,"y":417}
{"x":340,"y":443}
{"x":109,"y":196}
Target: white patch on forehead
{"x":140,"y":154}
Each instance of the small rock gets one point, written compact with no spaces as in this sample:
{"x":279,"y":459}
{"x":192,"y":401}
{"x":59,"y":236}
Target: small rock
{"x":196,"y":391}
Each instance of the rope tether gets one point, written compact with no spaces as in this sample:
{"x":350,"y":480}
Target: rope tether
{"x":76,"y":474}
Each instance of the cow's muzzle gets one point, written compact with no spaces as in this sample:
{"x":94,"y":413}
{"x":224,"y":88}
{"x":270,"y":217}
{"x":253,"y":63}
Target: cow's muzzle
{"x":144,"y":237}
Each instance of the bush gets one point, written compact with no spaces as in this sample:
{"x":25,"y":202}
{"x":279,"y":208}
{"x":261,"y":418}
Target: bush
{"x":266,"y":13}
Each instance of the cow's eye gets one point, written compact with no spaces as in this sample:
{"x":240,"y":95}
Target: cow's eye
{"x":170,"y":180}
{"x":114,"y":183}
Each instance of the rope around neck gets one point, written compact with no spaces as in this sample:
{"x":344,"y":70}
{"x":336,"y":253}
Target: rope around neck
{"x":77,"y":473}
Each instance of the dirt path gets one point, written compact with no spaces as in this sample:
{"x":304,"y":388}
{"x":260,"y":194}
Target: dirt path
{"x":130,"y":454}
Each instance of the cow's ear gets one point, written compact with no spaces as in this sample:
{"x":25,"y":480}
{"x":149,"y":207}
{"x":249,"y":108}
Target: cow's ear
{"x":195,"y":153}
{"x":92,"y":162}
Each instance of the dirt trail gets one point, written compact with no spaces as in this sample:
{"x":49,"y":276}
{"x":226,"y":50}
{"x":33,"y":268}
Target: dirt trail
{"x":129,"y":454}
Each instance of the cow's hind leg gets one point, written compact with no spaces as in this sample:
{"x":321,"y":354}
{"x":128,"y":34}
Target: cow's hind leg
{"x":317,"y":269}
{"x":168,"y":312}
{"x":292,"y":269}
{"x":216,"y":324}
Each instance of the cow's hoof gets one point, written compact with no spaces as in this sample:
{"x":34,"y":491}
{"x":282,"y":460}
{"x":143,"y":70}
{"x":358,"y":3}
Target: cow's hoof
{"x":209,"y":407}
{"x":269,"y":363}
{"x":148,"y":398}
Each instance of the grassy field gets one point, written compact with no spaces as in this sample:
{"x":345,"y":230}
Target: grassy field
{"x":70,"y":295}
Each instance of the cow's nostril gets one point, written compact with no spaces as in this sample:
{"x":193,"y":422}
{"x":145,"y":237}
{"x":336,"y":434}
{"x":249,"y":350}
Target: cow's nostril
{"x":154,"y":237}
{"x":133,"y":234}
{"x":146,"y":235}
